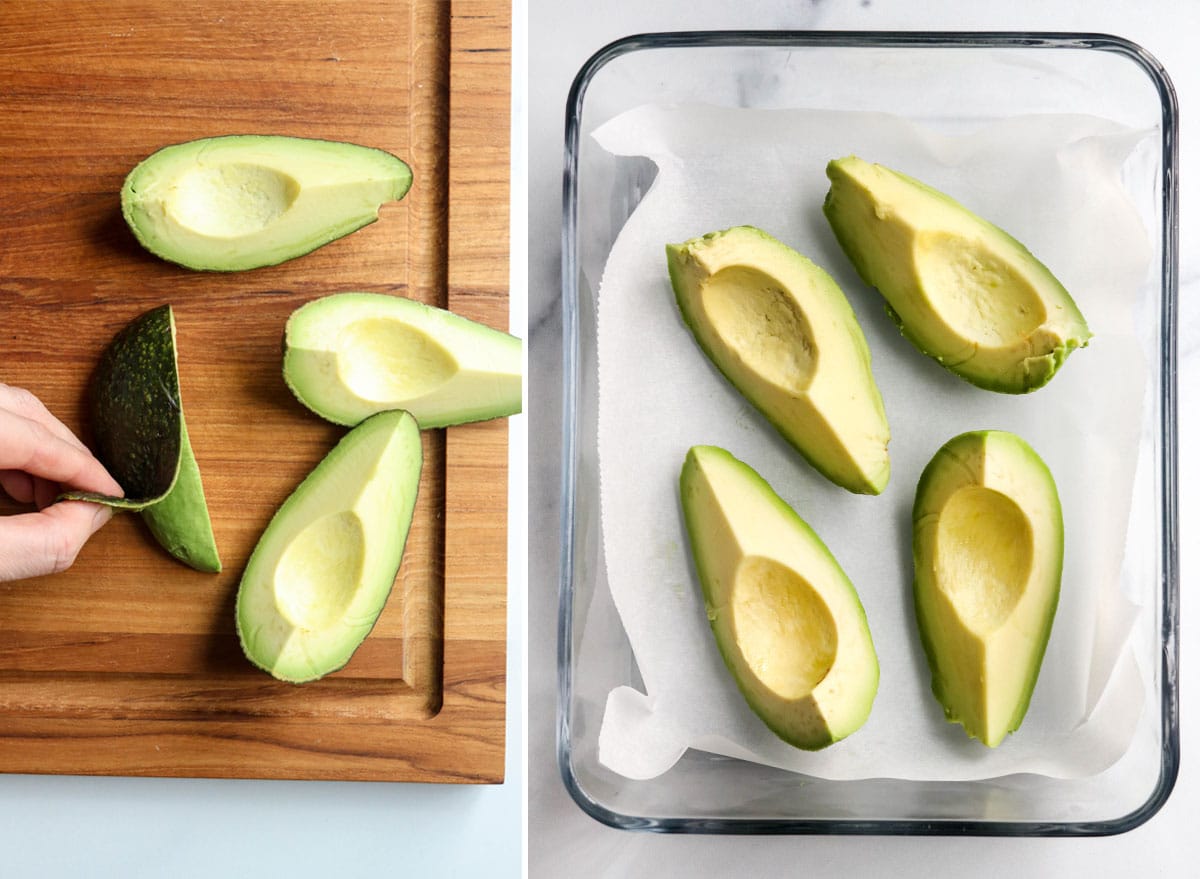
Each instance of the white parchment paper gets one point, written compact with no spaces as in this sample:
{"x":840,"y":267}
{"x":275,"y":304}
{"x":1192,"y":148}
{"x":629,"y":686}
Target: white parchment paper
{"x":1051,"y":181}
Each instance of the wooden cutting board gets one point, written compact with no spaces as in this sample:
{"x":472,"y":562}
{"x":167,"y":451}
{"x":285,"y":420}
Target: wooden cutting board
{"x":128,"y":663}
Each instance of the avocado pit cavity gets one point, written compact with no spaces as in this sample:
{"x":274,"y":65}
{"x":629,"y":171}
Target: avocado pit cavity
{"x":232,"y":200}
{"x":384,"y":359}
{"x":320,"y":570}
{"x":755,"y":317}
{"x":984,"y":556}
{"x":985,"y":300}
{"x":784,"y":628}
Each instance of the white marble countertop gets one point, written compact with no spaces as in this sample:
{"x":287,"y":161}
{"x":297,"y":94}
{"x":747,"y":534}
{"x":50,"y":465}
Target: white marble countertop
{"x":563,"y":840}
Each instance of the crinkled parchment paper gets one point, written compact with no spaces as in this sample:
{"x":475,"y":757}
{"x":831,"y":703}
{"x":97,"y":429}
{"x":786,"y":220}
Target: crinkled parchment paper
{"x":1053,"y":182}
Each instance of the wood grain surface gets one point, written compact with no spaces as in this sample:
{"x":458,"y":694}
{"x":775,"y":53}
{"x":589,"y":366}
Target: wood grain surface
{"x":128,"y":663}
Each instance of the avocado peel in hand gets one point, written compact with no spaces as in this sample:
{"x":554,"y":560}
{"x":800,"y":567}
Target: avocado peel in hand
{"x":136,"y":411}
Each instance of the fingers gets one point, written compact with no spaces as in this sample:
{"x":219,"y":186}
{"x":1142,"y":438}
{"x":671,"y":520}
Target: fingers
{"x":47,"y":542}
{"x":26,"y":489}
{"x":20,"y":486}
{"x":38,"y":456}
{"x":26,"y":404}
{"x":32,"y":446}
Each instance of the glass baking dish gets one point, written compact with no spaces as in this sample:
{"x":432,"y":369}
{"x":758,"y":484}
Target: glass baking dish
{"x":949,"y":82}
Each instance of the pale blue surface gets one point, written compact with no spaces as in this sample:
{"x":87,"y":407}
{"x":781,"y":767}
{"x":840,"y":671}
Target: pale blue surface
{"x":181,"y":828}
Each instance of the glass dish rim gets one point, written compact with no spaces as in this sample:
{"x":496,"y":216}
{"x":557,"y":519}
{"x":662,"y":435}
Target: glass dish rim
{"x":1169,"y":574}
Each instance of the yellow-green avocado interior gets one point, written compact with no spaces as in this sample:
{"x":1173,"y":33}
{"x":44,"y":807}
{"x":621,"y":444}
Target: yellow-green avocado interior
{"x":987,"y":550}
{"x":786,"y":619}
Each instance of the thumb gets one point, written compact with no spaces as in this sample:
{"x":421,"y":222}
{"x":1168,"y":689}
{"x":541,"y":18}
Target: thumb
{"x":47,"y":542}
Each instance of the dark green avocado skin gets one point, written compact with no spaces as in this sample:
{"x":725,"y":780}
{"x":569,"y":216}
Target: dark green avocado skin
{"x":135,"y":408}
{"x":135,"y":414}
{"x":140,"y":437}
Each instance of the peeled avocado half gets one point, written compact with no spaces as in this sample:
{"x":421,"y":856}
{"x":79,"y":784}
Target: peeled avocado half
{"x":349,"y":355}
{"x":141,"y":438}
{"x":786,"y":619}
{"x":962,"y":290}
{"x":322,"y":570}
{"x":245,"y":201}
{"x":780,"y":329}
{"x":988,"y":551}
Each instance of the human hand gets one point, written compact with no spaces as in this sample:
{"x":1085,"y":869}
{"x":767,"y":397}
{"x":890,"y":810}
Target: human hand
{"x":39,"y":456}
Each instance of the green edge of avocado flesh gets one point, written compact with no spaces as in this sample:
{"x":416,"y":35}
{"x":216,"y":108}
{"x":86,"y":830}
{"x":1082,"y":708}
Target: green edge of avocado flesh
{"x":246,"y":201}
{"x":962,"y":290}
{"x":988,"y":560}
{"x":350,"y":355}
{"x":321,"y":572}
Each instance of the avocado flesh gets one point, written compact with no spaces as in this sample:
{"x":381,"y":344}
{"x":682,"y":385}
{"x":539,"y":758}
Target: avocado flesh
{"x":350,"y":355}
{"x":323,"y":568}
{"x":180,"y":521}
{"x":962,"y":290}
{"x":786,"y":619}
{"x":782,"y":332}
{"x":141,"y":438}
{"x":987,"y":551}
{"x":246,"y":201}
